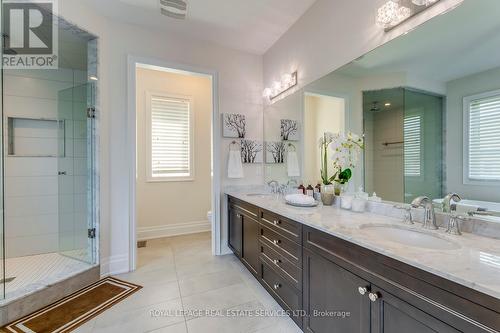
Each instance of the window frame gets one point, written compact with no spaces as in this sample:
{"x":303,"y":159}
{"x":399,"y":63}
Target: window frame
{"x":467,"y":100}
{"x":421,"y":115}
{"x":149,"y":147}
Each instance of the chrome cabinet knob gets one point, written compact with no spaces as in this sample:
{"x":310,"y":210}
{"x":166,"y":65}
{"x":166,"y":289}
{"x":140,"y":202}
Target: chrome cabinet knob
{"x":276,"y":261}
{"x":373,"y":297}
{"x":276,"y":242}
{"x":362,"y":290}
{"x":277,"y":286}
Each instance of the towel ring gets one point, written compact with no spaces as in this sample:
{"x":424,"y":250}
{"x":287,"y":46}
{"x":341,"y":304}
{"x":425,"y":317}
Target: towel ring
{"x":291,"y":147}
{"x":234,"y":144}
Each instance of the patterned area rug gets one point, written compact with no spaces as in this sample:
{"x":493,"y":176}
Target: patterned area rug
{"x":75,"y":309}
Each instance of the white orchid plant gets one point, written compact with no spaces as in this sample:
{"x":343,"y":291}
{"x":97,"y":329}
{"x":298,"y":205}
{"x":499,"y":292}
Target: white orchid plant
{"x":345,"y":150}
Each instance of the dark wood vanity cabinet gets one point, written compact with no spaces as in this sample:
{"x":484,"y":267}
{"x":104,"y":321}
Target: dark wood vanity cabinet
{"x":235,"y":230}
{"x":390,"y":314}
{"x":331,"y":285}
{"x":332,"y":302}
{"x":244,"y":234}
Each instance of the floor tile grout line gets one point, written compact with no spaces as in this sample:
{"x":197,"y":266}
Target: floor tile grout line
{"x":179,"y":287}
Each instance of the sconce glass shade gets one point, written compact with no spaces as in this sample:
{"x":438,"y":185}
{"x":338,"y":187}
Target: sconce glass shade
{"x":387,"y":13}
{"x":403,"y":14}
{"x":286,"y":80}
{"x":267,"y":93}
{"x":276,"y":87}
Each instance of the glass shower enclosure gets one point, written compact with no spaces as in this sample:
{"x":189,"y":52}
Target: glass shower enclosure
{"x":49,"y":215}
{"x":404,"y":143}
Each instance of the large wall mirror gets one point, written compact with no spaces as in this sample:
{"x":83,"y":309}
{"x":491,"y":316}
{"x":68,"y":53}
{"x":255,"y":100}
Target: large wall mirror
{"x":428,"y":105}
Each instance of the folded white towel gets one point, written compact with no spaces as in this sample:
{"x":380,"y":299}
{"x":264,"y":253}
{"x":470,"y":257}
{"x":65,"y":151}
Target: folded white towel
{"x":299,"y":199}
{"x":293,"y":164}
{"x":234,"y":165}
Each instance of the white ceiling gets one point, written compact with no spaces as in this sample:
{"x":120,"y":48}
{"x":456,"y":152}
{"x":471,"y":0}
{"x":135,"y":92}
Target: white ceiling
{"x":247,"y":25}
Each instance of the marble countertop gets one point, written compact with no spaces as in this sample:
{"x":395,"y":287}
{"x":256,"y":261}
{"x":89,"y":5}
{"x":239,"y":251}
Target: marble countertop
{"x":474,"y":263}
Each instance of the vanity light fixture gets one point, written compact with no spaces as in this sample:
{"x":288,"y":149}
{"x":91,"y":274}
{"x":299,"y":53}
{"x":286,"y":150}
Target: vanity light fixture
{"x":387,"y":104}
{"x":395,"y":12}
{"x":288,"y":81}
{"x":93,"y":78}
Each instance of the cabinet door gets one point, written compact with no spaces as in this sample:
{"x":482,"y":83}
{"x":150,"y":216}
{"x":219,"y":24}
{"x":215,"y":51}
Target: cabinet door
{"x":331,"y":298}
{"x":250,"y":253}
{"x":235,"y":231}
{"x":392,"y":315}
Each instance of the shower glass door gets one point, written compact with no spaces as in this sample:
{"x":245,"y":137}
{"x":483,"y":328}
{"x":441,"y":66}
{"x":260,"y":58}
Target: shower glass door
{"x":76,"y":176}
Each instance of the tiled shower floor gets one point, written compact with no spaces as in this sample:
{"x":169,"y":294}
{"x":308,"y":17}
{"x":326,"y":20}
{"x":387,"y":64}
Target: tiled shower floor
{"x":35,"y":272}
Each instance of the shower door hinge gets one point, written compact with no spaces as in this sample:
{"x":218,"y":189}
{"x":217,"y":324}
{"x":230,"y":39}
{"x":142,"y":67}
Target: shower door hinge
{"x":91,"y":112}
{"x":91,"y":233}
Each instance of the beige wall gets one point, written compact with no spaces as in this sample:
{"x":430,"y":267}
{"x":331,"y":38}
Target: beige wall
{"x":164,"y":205}
{"x":321,"y":114}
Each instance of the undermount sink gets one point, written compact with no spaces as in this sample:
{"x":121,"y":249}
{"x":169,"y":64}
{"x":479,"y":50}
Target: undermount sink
{"x":263,"y":195}
{"x":411,"y":237}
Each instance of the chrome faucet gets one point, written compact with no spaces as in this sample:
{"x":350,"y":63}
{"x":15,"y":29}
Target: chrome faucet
{"x":274,"y":186}
{"x":430,"y":216}
{"x":453,"y":226}
{"x":447,"y":207}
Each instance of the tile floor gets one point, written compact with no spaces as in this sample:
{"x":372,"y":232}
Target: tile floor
{"x":180,"y":274}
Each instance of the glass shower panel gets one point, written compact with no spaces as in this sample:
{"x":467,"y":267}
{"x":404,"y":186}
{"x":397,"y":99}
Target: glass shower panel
{"x":75,"y":164}
{"x":423,"y":147}
{"x":383,"y":156}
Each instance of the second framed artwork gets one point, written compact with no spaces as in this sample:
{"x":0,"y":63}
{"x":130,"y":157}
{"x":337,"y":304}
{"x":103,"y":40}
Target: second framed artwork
{"x":289,"y":130}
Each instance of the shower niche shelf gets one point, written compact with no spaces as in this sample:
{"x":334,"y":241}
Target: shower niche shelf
{"x":35,"y":137}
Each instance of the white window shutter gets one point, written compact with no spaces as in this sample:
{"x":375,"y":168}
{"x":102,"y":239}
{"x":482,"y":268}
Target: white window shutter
{"x":484,"y":139}
{"x":170,"y":137}
{"x":412,"y":145}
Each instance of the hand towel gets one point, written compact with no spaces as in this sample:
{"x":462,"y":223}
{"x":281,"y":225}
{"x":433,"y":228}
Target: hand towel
{"x":293,"y":164}
{"x":234,"y":165}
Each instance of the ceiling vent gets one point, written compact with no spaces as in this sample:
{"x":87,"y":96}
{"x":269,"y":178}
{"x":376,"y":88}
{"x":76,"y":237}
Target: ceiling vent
{"x":176,"y":9}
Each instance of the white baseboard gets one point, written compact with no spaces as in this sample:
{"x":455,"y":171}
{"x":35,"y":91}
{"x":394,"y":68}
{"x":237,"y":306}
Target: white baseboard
{"x":161,"y":231}
{"x":114,"y":265}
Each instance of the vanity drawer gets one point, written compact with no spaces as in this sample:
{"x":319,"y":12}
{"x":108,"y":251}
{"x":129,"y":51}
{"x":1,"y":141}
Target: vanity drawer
{"x":284,"y":293}
{"x":287,"y":270}
{"x":287,"y":228}
{"x":284,"y":246}
{"x":244,"y":208}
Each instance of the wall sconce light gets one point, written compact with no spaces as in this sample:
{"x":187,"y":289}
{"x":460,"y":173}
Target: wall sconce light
{"x":395,"y":12}
{"x":288,"y":81}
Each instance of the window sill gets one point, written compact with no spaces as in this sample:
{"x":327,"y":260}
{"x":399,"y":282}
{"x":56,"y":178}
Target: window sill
{"x":170,"y":180}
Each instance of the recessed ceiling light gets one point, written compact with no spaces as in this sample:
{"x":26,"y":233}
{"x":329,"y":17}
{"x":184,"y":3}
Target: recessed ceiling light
{"x":387,"y":104}
{"x":176,"y":9}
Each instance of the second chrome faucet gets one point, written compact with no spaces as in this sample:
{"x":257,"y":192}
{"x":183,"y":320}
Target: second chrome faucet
{"x":430,"y":216}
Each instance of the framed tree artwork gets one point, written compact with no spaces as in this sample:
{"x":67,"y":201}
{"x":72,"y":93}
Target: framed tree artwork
{"x":289,"y":130}
{"x":251,"y":151}
{"x":275,"y":152}
{"x":233,"y":125}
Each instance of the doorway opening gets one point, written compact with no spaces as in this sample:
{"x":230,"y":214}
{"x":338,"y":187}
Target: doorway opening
{"x":322,"y":114}
{"x":174,"y":190}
